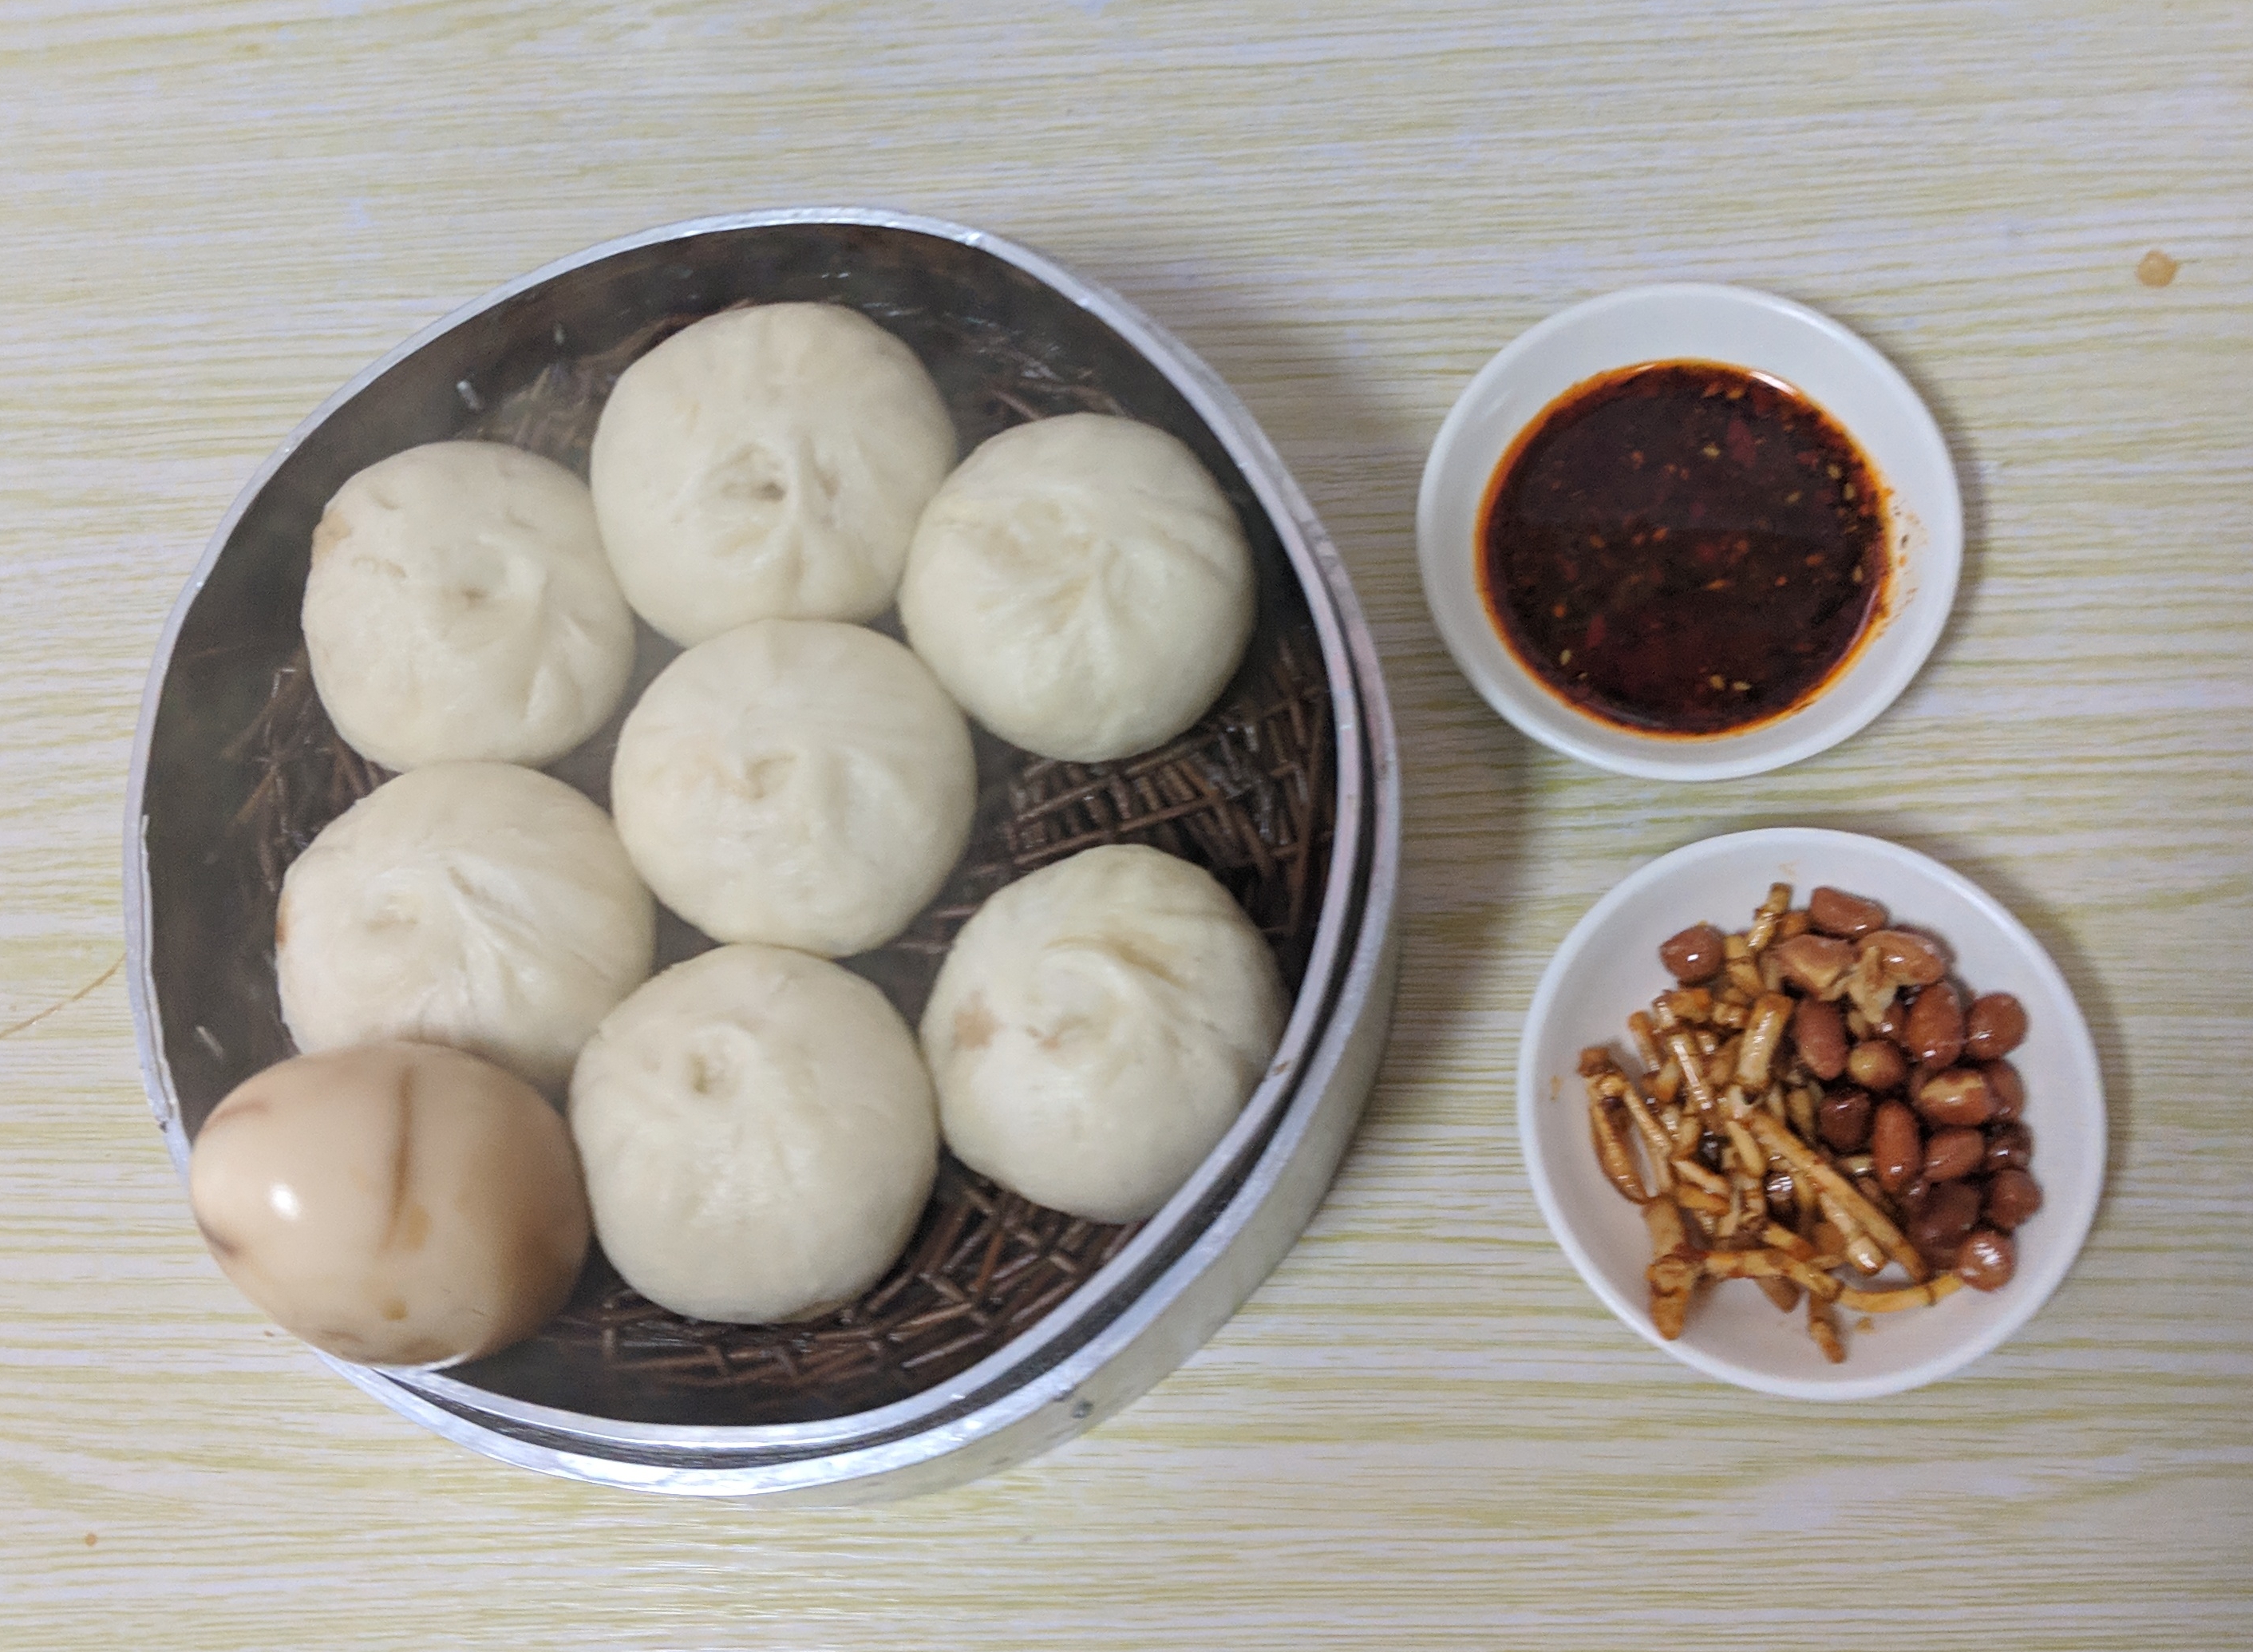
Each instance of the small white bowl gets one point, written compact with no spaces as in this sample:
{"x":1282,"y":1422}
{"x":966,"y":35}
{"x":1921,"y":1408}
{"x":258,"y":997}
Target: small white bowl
{"x":1609,"y":966}
{"x":1737,"y":327}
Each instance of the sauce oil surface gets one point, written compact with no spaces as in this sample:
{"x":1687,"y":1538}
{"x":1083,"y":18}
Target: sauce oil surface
{"x":1684,"y":547}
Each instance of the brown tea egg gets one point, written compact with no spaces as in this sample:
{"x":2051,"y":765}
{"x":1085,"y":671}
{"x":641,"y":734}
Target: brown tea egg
{"x":393,"y":1203}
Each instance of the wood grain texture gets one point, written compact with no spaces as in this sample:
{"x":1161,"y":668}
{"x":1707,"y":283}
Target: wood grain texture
{"x":1423,"y":1431}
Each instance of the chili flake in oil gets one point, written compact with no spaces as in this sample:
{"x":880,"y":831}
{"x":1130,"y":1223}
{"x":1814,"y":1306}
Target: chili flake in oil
{"x":1684,"y":547}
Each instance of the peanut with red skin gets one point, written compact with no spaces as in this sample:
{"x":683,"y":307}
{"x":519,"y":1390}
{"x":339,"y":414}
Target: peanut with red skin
{"x":1913,"y":960}
{"x":1836,"y":912}
{"x":1896,"y":1146}
{"x":1993,"y":1026}
{"x":1959,"y":1095}
{"x":1693,"y":955}
{"x":1952,"y":1153}
{"x":1820,"y":1032}
{"x":1936,"y":1026}
{"x":2009,"y":1146}
{"x":2008,"y":1088}
{"x":2013,"y":1196}
{"x":1844,"y":1120}
{"x":1941,"y":1221}
{"x":1877,"y":1064}
{"x":1986,"y":1259}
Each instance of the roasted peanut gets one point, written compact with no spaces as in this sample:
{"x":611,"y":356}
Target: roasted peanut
{"x":2009,"y":1146}
{"x":1906,"y":956}
{"x":1836,"y":912}
{"x":1993,"y":1026}
{"x":1896,"y":1146}
{"x":1843,"y":1120}
{"x":1986,"y":1259}
{"x":2013,"y":1196}
{"x":1694,"y":955}
{"x":1820,"y":1033}
{"x":1958,"y":1096}
{"x":1936,"y":1026}
{"x":1877,"y":1064}
{"x":2009,"y":1090}
{"x":1951,"y":1154}
{"x":1940,"y":1223}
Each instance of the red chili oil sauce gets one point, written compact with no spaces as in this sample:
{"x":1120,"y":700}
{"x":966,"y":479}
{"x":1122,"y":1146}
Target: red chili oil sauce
{"x":1684,"y":547}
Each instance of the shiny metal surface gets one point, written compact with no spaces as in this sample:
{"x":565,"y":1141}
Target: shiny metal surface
{"x":1186,"y":1271}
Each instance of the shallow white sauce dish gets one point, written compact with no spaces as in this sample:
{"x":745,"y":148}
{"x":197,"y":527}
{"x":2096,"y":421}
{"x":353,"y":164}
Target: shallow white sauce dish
{"x":1608,"y":967}
{"x":1733,"y":326}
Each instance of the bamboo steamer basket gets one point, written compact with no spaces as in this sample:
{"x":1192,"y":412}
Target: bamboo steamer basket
{"x":1005,"y":1328}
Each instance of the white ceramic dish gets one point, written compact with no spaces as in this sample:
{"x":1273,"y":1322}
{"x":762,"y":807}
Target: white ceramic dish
{"x":1736,"y":326}
{"x":1609,"y":966}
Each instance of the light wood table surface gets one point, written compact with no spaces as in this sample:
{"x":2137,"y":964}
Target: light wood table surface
{"x":1423,"y":1431}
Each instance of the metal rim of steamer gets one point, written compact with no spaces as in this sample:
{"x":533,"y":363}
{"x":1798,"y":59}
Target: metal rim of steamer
{"x":1192,"y":1265}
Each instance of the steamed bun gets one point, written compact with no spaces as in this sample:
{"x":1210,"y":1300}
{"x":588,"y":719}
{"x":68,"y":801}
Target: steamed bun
{"x":767,"y":461}
{"x":796,"y":782}
{"x":757,"y":1134}
{"x":1082,"y":586}
{"x":459,"y":607}
{"x":475,"y":904}
{"x":1097,"y":1027}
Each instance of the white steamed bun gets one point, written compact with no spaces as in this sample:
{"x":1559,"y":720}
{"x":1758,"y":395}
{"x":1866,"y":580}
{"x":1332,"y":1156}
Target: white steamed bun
{"x":1082,"y":586}
{"x":797,"y":782}
{"x":757,"y":1134}
{"x":459,"y":607}
{"x":1097,"y":1026}
{"x":475,"y":904}
{"x":767,"y":461}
